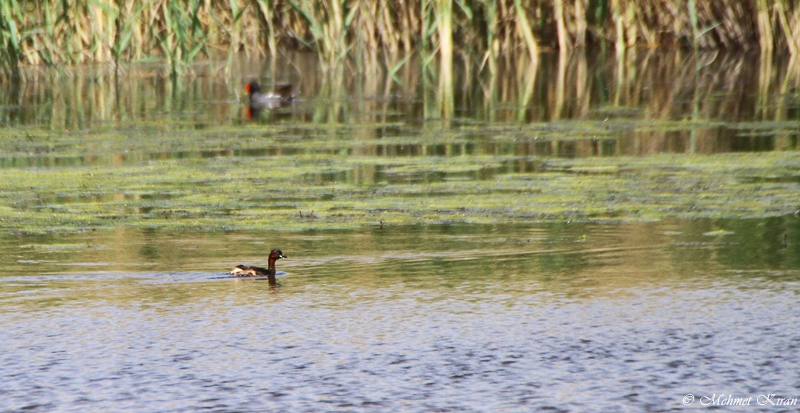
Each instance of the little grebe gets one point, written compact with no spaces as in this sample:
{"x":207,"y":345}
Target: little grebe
{"x":248,"y":271}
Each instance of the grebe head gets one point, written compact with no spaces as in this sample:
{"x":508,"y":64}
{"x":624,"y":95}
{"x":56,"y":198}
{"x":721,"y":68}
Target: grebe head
{"x":276,"y":254}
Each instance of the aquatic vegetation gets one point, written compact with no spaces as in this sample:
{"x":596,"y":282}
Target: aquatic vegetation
{"x":377,"y":32}
{"x":262,"y":178}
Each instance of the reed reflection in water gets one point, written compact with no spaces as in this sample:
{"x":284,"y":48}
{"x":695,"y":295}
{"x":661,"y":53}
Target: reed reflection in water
{"x":655,"y":84}
{"x":642,"y":103}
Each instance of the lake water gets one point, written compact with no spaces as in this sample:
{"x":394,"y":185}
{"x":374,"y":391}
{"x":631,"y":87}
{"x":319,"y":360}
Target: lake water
{"x":572,"y":317}
{"x":114,"y":294}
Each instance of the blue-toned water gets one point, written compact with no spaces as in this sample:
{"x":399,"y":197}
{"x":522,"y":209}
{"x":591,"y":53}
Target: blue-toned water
{"x":574,"y":318}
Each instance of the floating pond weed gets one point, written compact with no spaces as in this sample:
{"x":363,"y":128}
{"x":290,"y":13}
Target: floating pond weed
{"x":198,"y":183}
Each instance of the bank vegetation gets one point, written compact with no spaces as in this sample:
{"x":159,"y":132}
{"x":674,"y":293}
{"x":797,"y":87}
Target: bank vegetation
{"x":368,"y":32}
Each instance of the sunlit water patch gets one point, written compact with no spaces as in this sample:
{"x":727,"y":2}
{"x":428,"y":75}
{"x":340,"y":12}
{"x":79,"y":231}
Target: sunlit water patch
{"x":566,"y":317}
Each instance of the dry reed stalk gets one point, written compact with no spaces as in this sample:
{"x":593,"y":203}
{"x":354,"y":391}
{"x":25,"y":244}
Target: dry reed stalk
{"x":328,"y":25}
{"x":266,"y":9}
{"x":367,"y":15}
{"x":524,"y":27}
{"x":629,"y":20}
{"x":409,"y":19}
{"x":236,"y":41}
{"x":529,"y":71}
{"x":692,"y":6}
{"x":506,"y":31}
{"x":492,"y":42}
{"x":424,"y":29}
{"x":564,"y":42}
{"x":789,"y":27}
{"x":443,"y":12}
{"x":766,"y":40}
{"x":55,"y":32}
{"x":561,"y":85}
{"x":784,"y":141}
{"x":619,"y":26}
{"x":581,"y":24}
{"x":646,"y":18}
{"x":387,"y":31}
{"x":583,"y":95}
{"x":765,"y":79}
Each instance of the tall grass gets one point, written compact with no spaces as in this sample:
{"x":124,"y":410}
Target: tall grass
{"x":11,"y":40}
{"x":368,"y":32}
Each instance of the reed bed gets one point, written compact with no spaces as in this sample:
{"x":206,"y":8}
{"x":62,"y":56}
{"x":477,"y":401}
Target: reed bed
{"x":371,"y":32}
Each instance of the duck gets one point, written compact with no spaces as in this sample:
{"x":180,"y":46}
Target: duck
{"x":281,"y":93}
{"x":248,"y":271}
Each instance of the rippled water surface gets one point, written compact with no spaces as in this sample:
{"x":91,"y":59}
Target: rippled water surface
{"x":579,"y":234}
{"x":567,"y":317}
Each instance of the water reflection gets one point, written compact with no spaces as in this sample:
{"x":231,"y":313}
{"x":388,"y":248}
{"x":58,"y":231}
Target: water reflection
{"x":419,"y":317}
{"x":372,"y":174}
{"x":378,"y":253}
{"x":428,"y":318}
{"x":715,"y":91}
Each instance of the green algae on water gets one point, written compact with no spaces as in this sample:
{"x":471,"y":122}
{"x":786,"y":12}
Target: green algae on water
{"x":288,"y":177}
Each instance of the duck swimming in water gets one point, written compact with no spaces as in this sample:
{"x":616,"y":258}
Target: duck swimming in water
{"x":281,"y":93}
{"x":248,"y":271}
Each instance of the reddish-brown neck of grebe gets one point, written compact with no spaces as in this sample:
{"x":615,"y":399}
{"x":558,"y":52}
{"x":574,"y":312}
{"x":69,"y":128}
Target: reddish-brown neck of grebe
{"x":275,"y":255}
